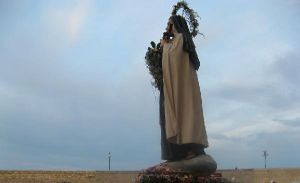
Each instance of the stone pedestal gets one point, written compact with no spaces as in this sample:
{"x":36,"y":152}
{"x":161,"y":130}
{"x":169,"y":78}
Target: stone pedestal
{"x":202,"y":165}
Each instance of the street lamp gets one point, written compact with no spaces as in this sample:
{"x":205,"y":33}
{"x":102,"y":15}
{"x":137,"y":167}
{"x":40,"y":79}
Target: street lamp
{"x":265,"y":154}
{"x":109,"y":156}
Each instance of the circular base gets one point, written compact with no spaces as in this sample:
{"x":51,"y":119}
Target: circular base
{"x":202,"y":164}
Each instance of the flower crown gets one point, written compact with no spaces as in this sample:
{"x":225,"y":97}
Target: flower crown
{"x":190,"y":15}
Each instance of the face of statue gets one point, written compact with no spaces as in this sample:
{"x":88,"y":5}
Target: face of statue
{"x":170,"y":27}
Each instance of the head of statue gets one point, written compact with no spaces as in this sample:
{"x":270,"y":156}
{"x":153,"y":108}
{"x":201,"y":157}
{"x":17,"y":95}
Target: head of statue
{"x":178,"y":24}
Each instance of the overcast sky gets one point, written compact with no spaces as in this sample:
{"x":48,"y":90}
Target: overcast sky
{"x":74,"y":84}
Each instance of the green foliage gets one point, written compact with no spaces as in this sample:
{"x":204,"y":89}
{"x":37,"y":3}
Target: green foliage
{"x":154,"y":64}
{"x":190,"y":16}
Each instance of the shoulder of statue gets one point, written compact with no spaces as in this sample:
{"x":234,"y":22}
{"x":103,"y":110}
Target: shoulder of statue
{"x":178,"y":35}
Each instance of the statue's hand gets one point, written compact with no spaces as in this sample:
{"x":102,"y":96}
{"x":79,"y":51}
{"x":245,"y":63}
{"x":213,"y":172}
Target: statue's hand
{"x":163,"y":42}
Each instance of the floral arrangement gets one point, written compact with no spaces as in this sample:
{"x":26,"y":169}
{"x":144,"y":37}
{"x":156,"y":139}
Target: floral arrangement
{"x":163,"y":174}
{"x":154,"y":64}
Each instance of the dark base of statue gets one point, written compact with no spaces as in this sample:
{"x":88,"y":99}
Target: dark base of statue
{"x":201,"y":164}
{"x":200,"y":169}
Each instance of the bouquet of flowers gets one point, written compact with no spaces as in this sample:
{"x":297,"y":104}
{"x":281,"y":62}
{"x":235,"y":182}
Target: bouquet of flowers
{"x":164,"y":174}
{"x":154,"y":64}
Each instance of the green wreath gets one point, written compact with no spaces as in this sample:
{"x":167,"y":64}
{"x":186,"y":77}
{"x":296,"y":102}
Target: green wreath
{"x":190,"y":15}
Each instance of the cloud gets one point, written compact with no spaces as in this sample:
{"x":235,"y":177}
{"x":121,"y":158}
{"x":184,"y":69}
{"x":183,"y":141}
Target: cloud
{"x":274,"y":94}
{"x":250,"y":118}
{"x":67,"y":20}
{"x":73,"y":86}
{"x":250,"y":89}
{"x":287,"y":67}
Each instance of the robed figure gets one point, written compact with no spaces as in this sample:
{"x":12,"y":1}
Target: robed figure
{"x":183,"y":133}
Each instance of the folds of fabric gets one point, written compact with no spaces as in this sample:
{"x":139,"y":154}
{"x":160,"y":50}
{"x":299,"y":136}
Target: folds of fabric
{"x":184,"y":121}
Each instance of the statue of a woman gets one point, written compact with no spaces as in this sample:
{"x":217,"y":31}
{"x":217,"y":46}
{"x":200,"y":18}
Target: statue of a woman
{"x":183,"y":134}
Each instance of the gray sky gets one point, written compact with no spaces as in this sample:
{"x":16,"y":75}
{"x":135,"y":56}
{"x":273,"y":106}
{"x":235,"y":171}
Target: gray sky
{"x":74,"y":85}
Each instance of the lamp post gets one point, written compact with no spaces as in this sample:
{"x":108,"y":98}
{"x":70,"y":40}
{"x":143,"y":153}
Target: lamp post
{"x":265,"y":154}
{"x":109,"y":156}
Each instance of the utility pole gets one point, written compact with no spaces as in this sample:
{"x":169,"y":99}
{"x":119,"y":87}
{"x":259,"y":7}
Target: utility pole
{"x":109,"y":156}
{"x":265,"y":154}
